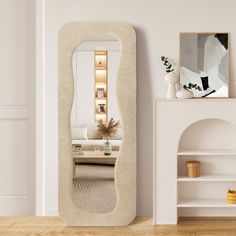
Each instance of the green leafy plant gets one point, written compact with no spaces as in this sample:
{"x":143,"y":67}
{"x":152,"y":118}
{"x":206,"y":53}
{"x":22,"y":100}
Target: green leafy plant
{"x":192,"y":86}
{"x":168,"y":66}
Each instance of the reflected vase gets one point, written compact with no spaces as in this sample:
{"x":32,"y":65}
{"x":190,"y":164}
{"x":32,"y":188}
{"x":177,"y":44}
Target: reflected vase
{"x":107,"y":148}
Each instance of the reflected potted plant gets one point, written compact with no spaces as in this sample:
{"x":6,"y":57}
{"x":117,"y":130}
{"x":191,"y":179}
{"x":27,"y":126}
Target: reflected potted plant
{"x":171,"y":77}
{"x":107,"y":130}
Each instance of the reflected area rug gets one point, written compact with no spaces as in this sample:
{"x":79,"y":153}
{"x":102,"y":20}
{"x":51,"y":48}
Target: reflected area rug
{"x":94,"y":188}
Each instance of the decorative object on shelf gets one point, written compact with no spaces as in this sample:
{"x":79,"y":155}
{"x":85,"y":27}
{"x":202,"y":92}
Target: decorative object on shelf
{"x":193,"y":168}
{"x":101,"y":85}
{"x":101,"y":60}
{"x":184,"y":94}
{"x":100,"y":93}
{"x":204,"y":63}
{"x":177,"y":85}
{"x":231,"y":196}
{"x":101,"y":108}
{"x":107,"y":148}
{"x":107,"y":130}
{"x":192,"y":86}
{"x":186,"y":91}
{"x":168,"y":66}
{"x":77,"y":149}
{"x":171,"y":78}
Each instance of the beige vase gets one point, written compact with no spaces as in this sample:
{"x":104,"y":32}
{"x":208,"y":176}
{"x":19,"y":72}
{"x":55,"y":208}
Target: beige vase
{"x":171,"y":78}
{"x":184,"y":94}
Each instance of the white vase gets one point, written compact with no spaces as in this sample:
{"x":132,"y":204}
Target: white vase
{"x":177,"y":86}
{"x":171,"y":78}
{"x":107,"y":148}
{"x":184,"y":94}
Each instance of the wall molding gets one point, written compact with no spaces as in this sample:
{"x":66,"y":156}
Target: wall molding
{"x":51,"y":212}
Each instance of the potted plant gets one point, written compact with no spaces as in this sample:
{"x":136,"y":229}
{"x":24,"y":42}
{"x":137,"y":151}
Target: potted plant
{"x":192,"y":86}
{"x":171,"y":77}
{"x":186,"y":92}
{"x":107,"y":130}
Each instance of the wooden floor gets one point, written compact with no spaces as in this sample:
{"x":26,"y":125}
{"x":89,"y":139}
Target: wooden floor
{"x":141,"y":226}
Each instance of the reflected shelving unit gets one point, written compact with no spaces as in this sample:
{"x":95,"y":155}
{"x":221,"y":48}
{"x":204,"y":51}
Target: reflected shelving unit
{"x":101,"y":85}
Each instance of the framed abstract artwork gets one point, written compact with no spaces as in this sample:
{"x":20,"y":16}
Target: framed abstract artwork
{"x":204,"y":64}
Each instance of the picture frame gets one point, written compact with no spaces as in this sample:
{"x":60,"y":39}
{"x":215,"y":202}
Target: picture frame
{"x":100,"y":93}
{"x":204,"y":64}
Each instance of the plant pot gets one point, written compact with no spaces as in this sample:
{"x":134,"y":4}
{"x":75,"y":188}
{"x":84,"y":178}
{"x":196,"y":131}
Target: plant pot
{"x":231,"y":196}
{"x":184,"y":94}
{"x":171,"y":78}
{"x":193,"y":168}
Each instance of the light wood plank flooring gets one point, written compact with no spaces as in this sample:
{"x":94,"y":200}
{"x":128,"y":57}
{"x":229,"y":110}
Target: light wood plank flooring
{"x":141,"y":226}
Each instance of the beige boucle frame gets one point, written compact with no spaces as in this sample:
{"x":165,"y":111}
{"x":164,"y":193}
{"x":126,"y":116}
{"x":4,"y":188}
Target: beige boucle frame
{"x":70,"y":37}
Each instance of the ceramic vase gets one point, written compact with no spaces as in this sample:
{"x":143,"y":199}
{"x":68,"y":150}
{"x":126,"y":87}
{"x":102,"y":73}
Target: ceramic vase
{"x":171,"y":78}
{"x":184,"y":94}
{"x":107,"y":148}
{"x":177,"y":86}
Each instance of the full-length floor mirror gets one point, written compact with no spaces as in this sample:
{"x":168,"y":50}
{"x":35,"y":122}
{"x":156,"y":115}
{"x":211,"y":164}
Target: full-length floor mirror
{"x":97,"y":123}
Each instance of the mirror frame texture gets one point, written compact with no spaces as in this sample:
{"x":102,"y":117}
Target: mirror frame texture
{"x":71,"y":36}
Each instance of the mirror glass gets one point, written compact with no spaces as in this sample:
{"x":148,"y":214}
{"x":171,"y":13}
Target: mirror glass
{"x":204,"y":63}
{"x":95,"y":124}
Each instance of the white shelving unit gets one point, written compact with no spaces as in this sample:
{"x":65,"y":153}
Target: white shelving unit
{"x":212,"y":159}
{"x":198,"y":129}
{"x":204,"y":203}
{"x":219,"y":152}
{"x":209,"y":178}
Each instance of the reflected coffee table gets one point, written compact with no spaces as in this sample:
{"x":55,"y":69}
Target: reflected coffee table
{"x":93,"y":157}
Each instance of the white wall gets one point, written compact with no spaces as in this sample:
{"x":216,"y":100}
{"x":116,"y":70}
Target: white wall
{"x":113,"y":65}
{"x":83,"y":105}
{"x":157,"y":23}
{"x":83,"y":69}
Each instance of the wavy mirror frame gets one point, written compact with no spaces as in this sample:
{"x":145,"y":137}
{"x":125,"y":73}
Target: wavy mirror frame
{"x":71,"y":36}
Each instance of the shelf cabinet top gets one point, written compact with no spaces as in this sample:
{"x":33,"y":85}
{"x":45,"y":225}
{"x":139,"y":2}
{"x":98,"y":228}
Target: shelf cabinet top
{"x":195,"y":100}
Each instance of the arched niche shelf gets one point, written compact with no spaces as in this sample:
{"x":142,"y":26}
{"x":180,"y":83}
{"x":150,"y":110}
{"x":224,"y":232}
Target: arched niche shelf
{"x":208,"y":134}
{"x":213,"y":143}
{"x":194,"y":129}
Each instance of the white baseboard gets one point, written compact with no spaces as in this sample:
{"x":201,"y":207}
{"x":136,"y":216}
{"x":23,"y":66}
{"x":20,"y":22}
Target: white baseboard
{"x":51,"y":212}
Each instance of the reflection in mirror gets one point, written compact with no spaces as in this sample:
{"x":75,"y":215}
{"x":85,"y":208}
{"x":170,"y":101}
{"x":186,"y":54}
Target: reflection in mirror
{"x":95,"y":124}
{"x":204,"y":63}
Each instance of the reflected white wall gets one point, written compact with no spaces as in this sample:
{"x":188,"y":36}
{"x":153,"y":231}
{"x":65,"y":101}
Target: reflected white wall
{"x":84,"y":68}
